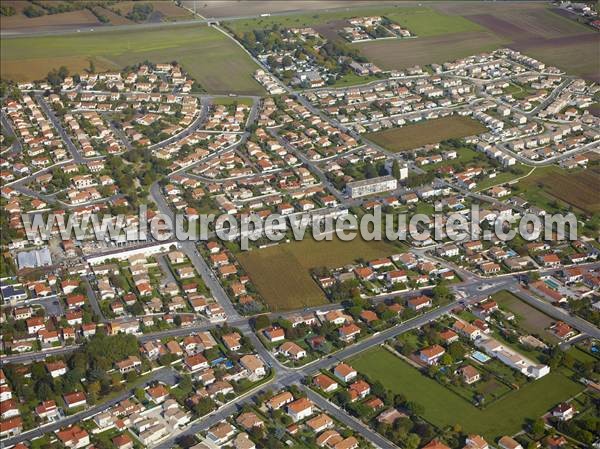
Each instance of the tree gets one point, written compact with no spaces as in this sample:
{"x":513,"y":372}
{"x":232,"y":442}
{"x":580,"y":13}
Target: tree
{"x":441,"y":292}
{"x":261,"y":322}
{"x":538,"y":428}
{"x":457,"y":350}
{"x":185,"y":384}
{"x":412,"y":441}
{"x":63,"y":72}
{"x":204,"y":406}
{"x":396,"y":169}
{"x":415,"y":408}
{"x":447,"y":359}
{"x":140,"y":394}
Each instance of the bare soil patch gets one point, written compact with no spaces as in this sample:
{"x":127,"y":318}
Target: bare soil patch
{"x":113,"y":17}
{"x":50,"y":21}
{"x":499,"y":26}
{"x":428,"y":132}
{"x":402,"y":53}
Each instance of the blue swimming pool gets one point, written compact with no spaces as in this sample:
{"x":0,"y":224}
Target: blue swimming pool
{"x":480,"y":356}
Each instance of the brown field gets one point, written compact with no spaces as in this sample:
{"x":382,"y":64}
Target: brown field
{"x":50,"y":21}
{"x":535,"y":22}
{"x":400,"y":54}
{"x":540,"y":32}
{"x":428,"y":132}
{"x":38,"y":68}
{"x":578,"y":189}
{"x":529,"y":318}
{"x":114,"y":18}
{"x":281,"y":273}
{"x":168,"y":10}
{"x":19,"y":5}
{"x":577,"y":55}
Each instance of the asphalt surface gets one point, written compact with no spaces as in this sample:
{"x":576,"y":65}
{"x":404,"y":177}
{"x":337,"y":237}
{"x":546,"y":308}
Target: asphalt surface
{"x":91,"y":294}
{"x":165,"y":375}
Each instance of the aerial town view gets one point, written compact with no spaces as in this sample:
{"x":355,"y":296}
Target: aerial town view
{"x":299,"y":224}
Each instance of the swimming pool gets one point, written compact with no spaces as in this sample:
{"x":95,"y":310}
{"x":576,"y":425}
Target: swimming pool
{"x":552,"y":284}
{"x":480,"y":356}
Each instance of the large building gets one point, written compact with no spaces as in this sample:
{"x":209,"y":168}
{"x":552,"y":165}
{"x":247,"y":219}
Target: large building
{"x":371,"y":186}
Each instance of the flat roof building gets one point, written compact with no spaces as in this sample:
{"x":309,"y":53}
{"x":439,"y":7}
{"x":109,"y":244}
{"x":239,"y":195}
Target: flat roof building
{"x":371,"y":186}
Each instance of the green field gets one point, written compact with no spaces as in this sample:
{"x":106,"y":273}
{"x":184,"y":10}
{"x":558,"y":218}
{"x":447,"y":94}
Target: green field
{"x":428,"y":132}
{"x":281,"y":273}
{"x":209,"y":56}
{"x":444,"y":408}
{"x":529,"y":318}
{"x":419,"y":20}
{"x":516,"y":171}
{"x":440,"y":36}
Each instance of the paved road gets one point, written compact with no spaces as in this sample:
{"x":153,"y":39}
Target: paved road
{"x":48,"y":112}
{"x":196,"y":124}
{"x":189,"y":248}
{"x":351,"y":422}
{"x":29,"y":357}
{"x":287,"y":376}
{"x":9,"y":130}
{"x":91,"y":294}
{"x":166,"y":375}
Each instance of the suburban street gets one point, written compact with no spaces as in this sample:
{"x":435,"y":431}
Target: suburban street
{"x":165,"y":375}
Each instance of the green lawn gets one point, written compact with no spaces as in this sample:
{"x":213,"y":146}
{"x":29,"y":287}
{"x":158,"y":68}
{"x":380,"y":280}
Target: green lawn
{"x":209,"y":56}
{"x":352,"y":79}
{"x":444,"y":408}
{"x":226,"y":101}
{"x":516,"y":171}
{"x":581,"y":355}
{"x":463,"y":156}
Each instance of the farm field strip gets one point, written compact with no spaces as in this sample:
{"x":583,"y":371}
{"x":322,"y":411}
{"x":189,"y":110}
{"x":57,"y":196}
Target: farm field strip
{"x":576,"y":188}
{"x":429,"y":132}
{"x":281,"y":273}
{"x":202,"y":51}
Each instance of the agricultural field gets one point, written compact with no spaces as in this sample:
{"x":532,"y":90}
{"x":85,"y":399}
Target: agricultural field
{"x":282,"y":273}
{"x":420,"y":21}
{"x":162,"y":10}
{"x":537,"y":30}
{"x":445,"y":408}
{"x":428,"y":132}
{"x":577,"y":188}
{"x":113,"y":17}
{"x":529,"y":318}
{"x":74,"y":19}
{"x":234,"y":7}
{"x":577,"y":55}
{"x":449,"y":30}
{"x":203,"y":52}
{"x":400,"y":54}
